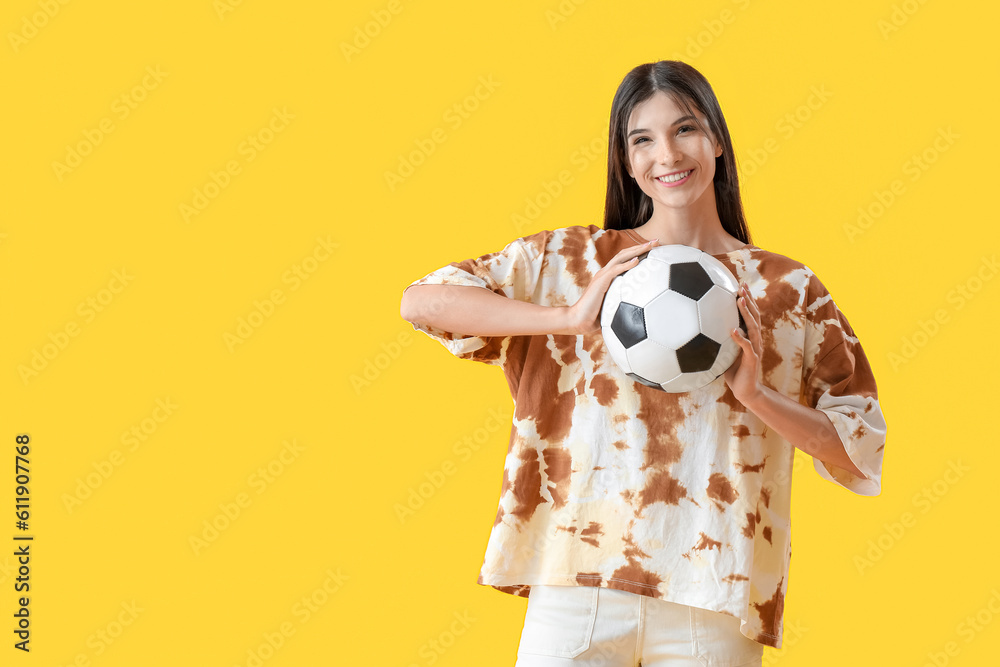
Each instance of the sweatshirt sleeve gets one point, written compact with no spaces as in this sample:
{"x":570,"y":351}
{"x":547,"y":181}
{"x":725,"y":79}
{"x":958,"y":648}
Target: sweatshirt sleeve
{"x":838,"y":380}
{"x":513,"y":272}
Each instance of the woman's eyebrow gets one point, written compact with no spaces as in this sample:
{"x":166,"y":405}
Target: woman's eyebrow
{"x":676,"y":122}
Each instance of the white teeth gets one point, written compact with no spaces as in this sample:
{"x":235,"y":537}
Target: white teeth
{"x":673,"y":178}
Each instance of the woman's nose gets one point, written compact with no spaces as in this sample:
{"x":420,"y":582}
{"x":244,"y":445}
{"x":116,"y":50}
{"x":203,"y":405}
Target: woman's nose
{"x":668,"y":153}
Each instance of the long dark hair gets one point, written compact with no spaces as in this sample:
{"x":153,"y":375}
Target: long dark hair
{"x":626,"y":206}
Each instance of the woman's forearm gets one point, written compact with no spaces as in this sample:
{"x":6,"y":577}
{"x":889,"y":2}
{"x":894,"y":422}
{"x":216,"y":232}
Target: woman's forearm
{"x":477,"y":311}
{"x":807,"y":428}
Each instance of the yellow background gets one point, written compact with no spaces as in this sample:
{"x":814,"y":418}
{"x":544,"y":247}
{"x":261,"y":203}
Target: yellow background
{"x":375,"y":409}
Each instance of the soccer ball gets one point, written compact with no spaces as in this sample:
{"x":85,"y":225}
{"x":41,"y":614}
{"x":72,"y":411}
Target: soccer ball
{"x":666,"y":321}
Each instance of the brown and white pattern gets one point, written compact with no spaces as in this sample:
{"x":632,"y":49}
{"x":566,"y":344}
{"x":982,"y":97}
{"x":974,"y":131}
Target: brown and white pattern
{"x":683,"y":497}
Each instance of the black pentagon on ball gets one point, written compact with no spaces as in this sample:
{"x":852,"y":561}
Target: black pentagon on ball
{"x":690,"y":279}
{"x":698,"y":354}
{"x":629,"y":324}
{"x":642,"y":380}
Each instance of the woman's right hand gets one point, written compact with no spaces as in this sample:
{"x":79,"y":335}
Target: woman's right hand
{"x":585,"y":315}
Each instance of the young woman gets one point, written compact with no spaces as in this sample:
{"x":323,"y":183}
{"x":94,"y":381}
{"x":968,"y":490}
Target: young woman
{"x":654,"y":528}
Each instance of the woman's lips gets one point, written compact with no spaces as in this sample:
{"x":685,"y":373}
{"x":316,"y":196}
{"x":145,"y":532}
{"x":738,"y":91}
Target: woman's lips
{"x":673,"y":183}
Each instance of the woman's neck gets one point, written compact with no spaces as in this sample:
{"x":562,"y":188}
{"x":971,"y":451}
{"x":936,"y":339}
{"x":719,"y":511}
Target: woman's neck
{"x":689,"y":228}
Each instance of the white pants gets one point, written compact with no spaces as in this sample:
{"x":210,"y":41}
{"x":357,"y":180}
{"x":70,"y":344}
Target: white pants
{"x":584,"y":625}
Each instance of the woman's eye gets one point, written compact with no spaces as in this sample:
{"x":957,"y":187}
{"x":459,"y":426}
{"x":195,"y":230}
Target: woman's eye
{"x":685,"y":127}
{"x":640,"y":140}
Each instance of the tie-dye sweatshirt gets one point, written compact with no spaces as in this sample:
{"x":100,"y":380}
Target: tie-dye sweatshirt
{"x":682,"y":497}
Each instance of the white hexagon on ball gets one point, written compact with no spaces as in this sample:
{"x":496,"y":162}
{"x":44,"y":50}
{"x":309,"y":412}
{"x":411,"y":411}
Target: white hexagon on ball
{"x":659,"y":363}
{"x":646,"y":281}
{"x":671,"y":319}
{"x":716,"y":314}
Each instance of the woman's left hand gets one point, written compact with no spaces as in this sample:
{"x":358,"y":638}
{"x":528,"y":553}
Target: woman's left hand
{"x":743,"y":377}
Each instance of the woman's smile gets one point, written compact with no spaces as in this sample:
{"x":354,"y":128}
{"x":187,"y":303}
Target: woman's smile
{"x":674,"y":179}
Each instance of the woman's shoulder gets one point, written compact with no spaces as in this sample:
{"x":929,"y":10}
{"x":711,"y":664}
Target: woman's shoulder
{"x":787,"y":275}
{"x":775,"y":265}
{"x":562,"y":240}
{"x":571,"y":231}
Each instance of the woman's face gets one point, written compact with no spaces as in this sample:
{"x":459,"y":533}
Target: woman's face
{"x":669,"y":155}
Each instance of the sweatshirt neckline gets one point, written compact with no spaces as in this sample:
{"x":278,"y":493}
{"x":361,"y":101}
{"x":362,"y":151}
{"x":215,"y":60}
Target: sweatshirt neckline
{"x":745,"y":246}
